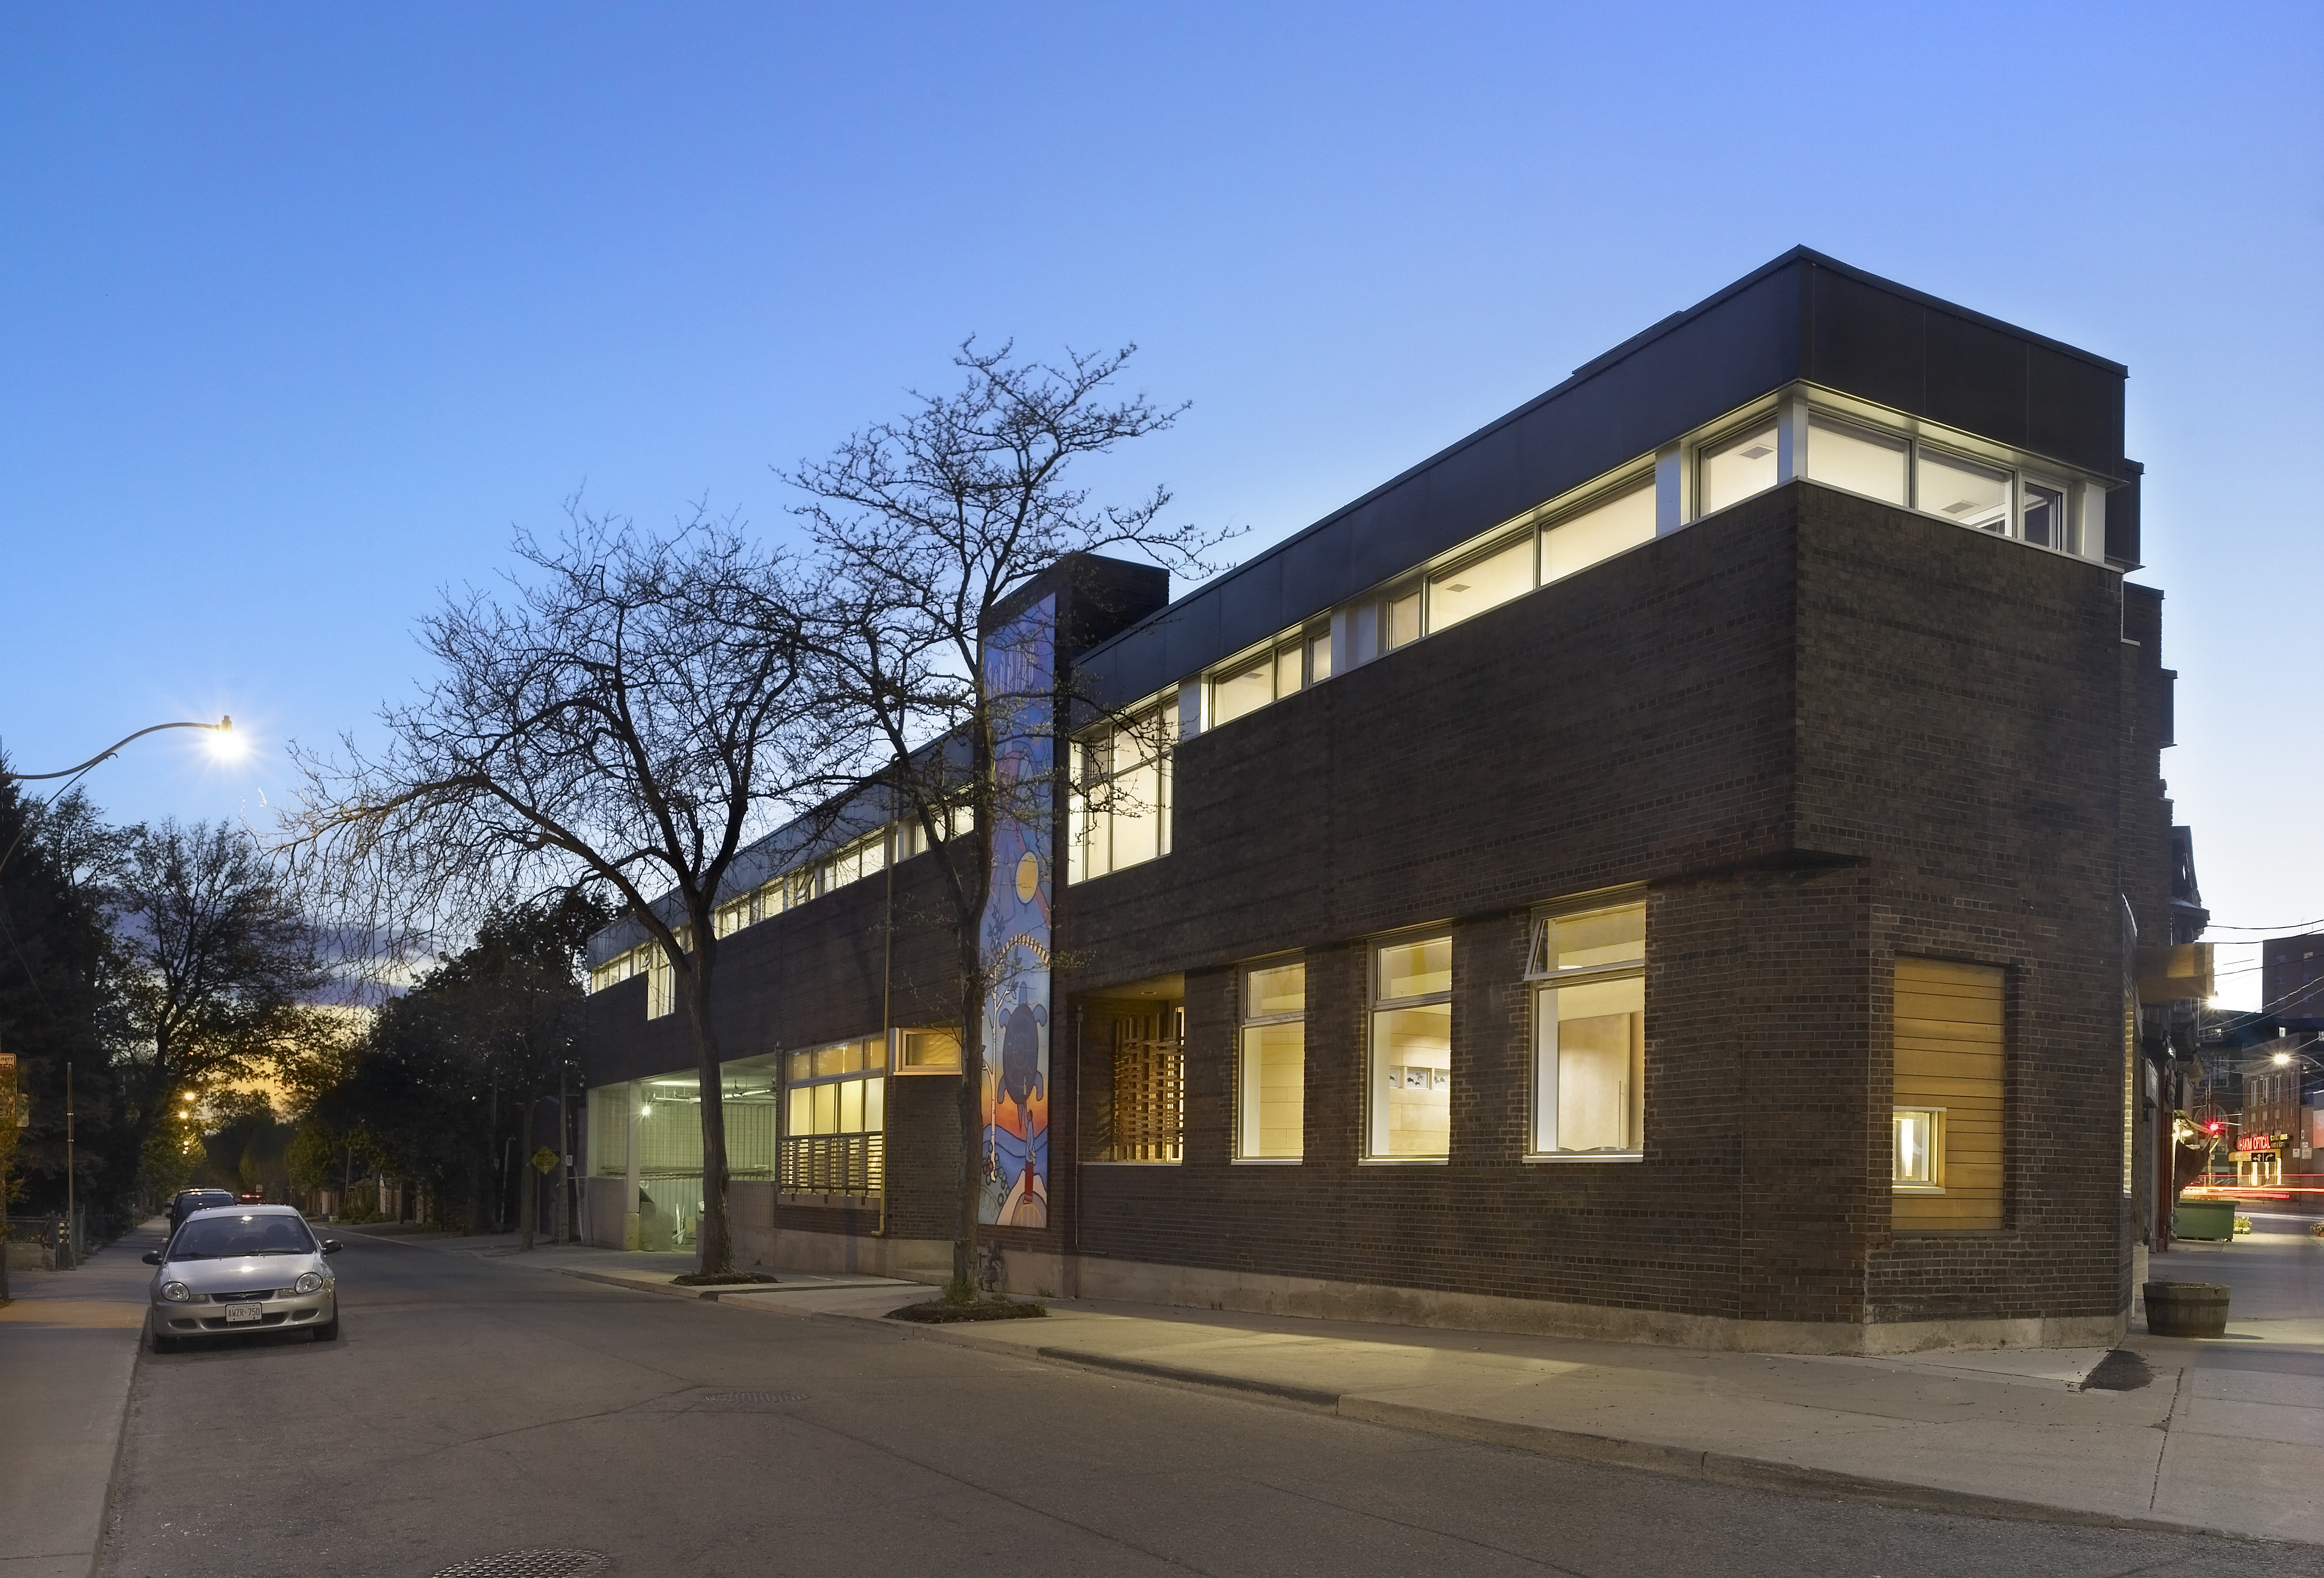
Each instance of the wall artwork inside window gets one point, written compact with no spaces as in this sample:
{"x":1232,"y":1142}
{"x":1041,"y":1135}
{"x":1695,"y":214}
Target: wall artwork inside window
{"x":1411,"y":1075}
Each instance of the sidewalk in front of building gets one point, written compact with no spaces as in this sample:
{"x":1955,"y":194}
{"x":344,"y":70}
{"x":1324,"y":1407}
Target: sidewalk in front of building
{"x":68,"y":1353}
{"x":2226,"y":1436}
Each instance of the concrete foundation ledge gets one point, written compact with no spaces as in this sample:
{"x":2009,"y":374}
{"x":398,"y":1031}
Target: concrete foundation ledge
{"x":1252,"y":1293}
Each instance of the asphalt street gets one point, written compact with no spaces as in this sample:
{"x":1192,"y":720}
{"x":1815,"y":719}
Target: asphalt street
{"x":474,"y":1407}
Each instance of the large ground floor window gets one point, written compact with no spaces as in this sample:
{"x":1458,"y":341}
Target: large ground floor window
{"x":835,"y":1118}
{"x":1589,"y":1032}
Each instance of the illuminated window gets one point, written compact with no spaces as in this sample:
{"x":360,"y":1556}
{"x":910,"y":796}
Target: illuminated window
{"x":927,"y":1052}
{"x":1272,"y":1063}
{"x":2044,"y":518}
{"x":1732,"y":469}
{"x":1918,"y":1149}
{"x":951,"y":822}
{"x":1590,"y":1041}
{"x":1863,"y":460}
{"x":1597,"y":532}
{"x":661,"y":980}
{"x":1119,"y":811}
{"x":866,"y":856}
{"x":1411,"y":1054}
{"x":1288,"y":666}
{"x":1962,"y":491}
{"x":1486,"y":581}
{"x":834,"y":1119}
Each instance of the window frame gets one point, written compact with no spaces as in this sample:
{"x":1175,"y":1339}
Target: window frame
{"x":1935,"y":1182}
{"x":1543,"y":980}
{"x":871,"y":1065}
{"x":1375,"y":1005}
{"x":1245,"y":1020}
{"x":1085,"y":823}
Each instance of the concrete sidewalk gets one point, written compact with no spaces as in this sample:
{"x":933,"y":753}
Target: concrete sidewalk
{"x":68,"y":1353}
{"x":2225,"y":1436}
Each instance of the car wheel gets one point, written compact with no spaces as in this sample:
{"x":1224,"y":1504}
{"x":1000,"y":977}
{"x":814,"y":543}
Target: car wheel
{"x":329,"y":1330}
{"x":162,"y":1344}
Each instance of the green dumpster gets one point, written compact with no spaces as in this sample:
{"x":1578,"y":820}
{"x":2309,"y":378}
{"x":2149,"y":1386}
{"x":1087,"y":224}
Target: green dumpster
{"x":2204,"y":1219}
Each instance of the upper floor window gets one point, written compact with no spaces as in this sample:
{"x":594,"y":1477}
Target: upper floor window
{"x":661,"y":980}
{"x":1557,"y":544}
{"x":1286,"y":667}
{"x":1589,"y":1011}
{"x":1119,"y":809}
{"x":865,"y":857}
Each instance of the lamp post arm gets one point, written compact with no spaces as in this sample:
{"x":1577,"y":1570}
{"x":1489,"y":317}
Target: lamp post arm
{"x":226,"y":723}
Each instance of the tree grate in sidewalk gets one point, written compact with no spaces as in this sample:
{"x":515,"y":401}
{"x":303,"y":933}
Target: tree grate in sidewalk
{"x":526,"y":1565}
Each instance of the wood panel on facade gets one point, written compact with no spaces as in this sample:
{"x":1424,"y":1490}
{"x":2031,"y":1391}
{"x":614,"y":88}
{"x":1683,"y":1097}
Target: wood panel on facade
{"x":1950,"y":1055}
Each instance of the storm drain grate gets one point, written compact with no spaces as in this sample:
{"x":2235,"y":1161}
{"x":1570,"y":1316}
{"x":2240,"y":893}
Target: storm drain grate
{"x":756,"y":1398}
{"x":526,"y":1565}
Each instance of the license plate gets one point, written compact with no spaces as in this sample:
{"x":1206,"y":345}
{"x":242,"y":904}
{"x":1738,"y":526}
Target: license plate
{"x":238,"y":1315}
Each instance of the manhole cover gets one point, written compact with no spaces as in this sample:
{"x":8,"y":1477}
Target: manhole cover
{"x":756,"y":1398}
{"x":526,"y":1565}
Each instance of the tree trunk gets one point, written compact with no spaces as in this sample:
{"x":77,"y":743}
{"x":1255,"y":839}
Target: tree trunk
{"x":711,"y":1237}
{"x":971,"y":887}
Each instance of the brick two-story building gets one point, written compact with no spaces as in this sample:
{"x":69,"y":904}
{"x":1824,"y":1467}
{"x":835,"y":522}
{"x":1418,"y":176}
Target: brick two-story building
{"x":1668,"y":866}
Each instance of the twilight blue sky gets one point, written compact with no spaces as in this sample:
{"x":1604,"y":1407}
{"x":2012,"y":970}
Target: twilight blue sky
{"x":303,"y":308}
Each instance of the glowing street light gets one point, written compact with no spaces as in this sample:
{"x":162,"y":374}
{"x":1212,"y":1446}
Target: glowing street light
{"x":223,"y":746}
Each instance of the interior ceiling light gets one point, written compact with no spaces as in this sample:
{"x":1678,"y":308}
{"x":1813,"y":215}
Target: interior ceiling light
{"x":1955,"y":509}
{"x":1758,"y":452}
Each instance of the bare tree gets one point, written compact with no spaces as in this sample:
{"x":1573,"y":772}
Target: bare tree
{"x":632,"y":714}
{"x":924,"y":527}
{"x":214,"y":966}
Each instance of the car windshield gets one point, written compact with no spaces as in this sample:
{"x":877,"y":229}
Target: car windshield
{"x":227,"y":1238}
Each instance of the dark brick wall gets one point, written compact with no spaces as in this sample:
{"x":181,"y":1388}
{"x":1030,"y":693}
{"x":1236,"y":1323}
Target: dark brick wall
{"x":1822,"y":731}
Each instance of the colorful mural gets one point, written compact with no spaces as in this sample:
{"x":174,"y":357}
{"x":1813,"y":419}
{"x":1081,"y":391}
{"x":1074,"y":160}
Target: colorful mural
{"x":1020,"y":674}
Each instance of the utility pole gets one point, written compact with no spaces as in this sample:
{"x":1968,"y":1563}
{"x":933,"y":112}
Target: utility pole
{"x":71,"y":1238}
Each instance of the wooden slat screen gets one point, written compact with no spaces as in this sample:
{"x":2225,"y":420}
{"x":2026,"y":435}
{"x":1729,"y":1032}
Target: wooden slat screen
{"x":1950,"y":1055}
{"x":1149,"y":1096}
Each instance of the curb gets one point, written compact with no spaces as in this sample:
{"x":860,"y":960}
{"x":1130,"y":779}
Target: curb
{"x":640,"y":1284}
{"x":1721,"y":1468}
{"x":1717,"y":1468}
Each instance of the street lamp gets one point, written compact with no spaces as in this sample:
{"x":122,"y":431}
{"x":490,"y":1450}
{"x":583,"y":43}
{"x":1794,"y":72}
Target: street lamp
{"x":224,"y":743}
{"x":223,"y":728}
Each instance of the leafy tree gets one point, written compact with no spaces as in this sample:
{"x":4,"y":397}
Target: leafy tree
{"x":453,"y":1068}
{"x":923,"y":527}
{"x":56,"y":959}
{"x":213,"y":967}
{"x":632,"y":714}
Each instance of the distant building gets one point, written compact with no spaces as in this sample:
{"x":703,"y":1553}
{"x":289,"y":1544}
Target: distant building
{"x":2291,"y":981}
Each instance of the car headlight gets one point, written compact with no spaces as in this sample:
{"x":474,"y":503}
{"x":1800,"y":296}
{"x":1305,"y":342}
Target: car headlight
{"x":308,"y":1282}
{"x":177,"y":1293}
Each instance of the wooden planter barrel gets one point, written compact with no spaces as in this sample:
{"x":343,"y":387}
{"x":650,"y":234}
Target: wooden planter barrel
{"x":2186,"y":1309}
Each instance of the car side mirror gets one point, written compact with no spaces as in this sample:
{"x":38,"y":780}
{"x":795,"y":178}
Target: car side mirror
{"x":152,"y":1256}
{"x":332,"y":1246}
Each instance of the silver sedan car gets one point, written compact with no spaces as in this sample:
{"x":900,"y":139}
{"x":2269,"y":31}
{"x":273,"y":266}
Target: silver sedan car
{"x":242,"y":1269}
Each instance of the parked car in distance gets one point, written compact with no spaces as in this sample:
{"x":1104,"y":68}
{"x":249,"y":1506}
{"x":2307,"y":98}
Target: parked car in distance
{"x":227,"y":1273}
{"x":249,"y":1198}
{"x":189,"y":1201}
